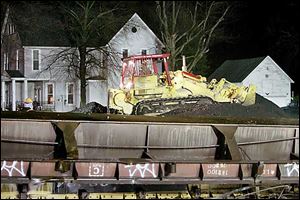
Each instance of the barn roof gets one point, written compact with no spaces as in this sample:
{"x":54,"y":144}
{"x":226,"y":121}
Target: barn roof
{"x":236,"y":70}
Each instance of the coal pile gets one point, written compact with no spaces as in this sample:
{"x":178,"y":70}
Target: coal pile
{"x":92,"y":107}
{"x":262,"y":108}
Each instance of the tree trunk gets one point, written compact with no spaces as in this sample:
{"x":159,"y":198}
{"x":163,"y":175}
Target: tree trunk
{"x":4,"y":23}
{"x":82,"y":75}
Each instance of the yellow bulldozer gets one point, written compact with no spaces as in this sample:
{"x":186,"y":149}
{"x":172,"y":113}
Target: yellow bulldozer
{"x":143,"y":91}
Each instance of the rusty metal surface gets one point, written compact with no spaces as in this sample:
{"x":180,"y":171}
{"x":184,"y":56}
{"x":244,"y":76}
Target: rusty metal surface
{"x":49,"y":170}
{"x":182,"y":170}
{"x":14,"y":168}
{"x":159,"y":142}
{"x":289,"y":171}
{"x":220,"y":170}
{"x":96,"y":170}
{"x":67,"y":129}
{"x":267,"y":151}
{"x":296,"y":145}
{"x":133,"y":171}
{"x":27,"y":131}
{"x":110,"y":134}
{"x":182,"y":136}
{"x":229,"y":136}
{"x":119,"y":173}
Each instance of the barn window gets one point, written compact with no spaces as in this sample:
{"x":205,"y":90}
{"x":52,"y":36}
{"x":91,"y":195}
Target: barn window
{"x":134,"y":30}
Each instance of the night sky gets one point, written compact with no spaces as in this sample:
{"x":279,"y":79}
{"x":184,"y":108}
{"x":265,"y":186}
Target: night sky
{"x":263,"y":28}
{"x":256,"y":28}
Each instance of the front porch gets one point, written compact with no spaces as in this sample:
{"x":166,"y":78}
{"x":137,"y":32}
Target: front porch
{"x":15,"y":90}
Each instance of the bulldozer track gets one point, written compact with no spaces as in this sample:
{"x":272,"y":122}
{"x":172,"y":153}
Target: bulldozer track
{"x":162,"y":105}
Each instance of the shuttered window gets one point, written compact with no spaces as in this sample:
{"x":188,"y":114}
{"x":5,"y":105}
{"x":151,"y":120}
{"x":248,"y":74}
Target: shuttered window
{"x":17,"y":60}
{"x":36,"y":59}
{"x":70,"y":93}
{"x":50,"y":94}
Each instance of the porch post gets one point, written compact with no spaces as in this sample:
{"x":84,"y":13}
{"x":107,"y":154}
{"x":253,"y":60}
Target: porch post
{"x":14,"y":106}
{"x":3,"y":97}
{"x":25,"y":90}
{"x":78,"y":94}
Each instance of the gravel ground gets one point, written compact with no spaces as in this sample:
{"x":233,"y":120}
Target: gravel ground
{"x":92,"y":107}
{"x":261,"y":109}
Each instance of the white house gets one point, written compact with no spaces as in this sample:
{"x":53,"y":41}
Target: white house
{"x":25,"y":62}
{"x":135,"y":37}
{"x":270,"y":80}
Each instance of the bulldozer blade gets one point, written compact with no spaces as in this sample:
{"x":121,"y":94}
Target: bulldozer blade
{"x":250,"y":98}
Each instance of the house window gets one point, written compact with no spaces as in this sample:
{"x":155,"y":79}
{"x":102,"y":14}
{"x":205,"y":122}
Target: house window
{"x":144,"y":52}
{"x":17,"y":60}
{"x":133,"y":29}
{"x":50,"y":94}
{"x":36,"y":59}
{"x":11,"y":29}
{"x":70,"y":93}
{"x":125,"y":53}
{"x":5,"y":59}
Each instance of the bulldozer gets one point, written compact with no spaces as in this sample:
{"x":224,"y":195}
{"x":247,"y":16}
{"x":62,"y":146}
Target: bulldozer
{"x":145,"y":91}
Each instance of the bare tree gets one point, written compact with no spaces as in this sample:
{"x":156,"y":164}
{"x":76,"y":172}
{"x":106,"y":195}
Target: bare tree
{"x":183,"y":25}
{"x":85,"y":24}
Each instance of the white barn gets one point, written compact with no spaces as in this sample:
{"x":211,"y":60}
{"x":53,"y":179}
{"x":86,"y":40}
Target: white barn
{"x":270,"y":80}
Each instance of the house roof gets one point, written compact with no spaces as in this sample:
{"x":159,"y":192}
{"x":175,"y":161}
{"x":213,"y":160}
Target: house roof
{"x":236,"y":70}
{"x":38,"y":24}
{"x":136,"y":16}
{"x":42,"y":26}
{"x":15,"y":74}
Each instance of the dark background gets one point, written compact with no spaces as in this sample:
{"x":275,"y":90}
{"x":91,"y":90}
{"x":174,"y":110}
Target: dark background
{"x":265,"y":28}
{"x":250,"y":29}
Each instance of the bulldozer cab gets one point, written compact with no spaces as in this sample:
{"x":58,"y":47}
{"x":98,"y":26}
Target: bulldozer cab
{"x":142,"y":71}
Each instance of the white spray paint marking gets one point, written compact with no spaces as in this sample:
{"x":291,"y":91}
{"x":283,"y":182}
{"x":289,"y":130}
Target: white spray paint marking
{"x":96,"y":170}
{"x":141,"y":169}
{"x":11,"y":168}
{"x":291,"y":167}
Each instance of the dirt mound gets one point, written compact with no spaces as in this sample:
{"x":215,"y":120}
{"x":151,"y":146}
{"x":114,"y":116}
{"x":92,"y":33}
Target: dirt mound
{"x":263,"y":108}
{"x":92,"y":107}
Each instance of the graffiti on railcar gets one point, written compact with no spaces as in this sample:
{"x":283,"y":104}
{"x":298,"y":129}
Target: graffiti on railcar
{"x":292,"y":169}
{"x":141,"y":170}
{"x":14,"y":168}
{"x":217,"y":169}
{"x":269,"y":170}
{"x":96,"y":170}
{"x":220,"y":170}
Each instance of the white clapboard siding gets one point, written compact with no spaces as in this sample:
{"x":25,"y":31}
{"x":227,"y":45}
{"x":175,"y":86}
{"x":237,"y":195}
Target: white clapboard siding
{"x":271,"y":82}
